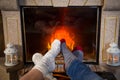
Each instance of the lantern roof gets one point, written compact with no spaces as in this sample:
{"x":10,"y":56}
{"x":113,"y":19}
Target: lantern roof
{"x":113,"y":44}
{"x":113,"y":48}
{"x":11,"y":49}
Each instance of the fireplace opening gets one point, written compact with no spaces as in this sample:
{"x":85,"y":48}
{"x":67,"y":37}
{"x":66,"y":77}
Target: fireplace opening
{"x":77,"y":25}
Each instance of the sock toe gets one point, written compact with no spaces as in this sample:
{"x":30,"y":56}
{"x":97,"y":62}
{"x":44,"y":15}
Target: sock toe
{"x":36,"y":57}
{"x":56,"y":42}
{"x":62,"y":40}
{"x":77,"y":48}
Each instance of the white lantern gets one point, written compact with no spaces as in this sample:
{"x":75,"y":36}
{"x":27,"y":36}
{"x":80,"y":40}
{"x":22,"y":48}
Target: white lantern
{"x":113,"y":55}
{"x":11,"y":57}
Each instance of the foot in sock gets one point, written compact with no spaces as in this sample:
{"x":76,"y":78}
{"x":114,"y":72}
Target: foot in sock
{"x":78,"y":52}
{"x":47,"y":63}
{"x":36,"y":58}
{"x":68,"y":56}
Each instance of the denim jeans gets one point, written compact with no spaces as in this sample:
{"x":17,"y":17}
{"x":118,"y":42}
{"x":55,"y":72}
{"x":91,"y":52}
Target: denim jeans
{"x":79,"y":71}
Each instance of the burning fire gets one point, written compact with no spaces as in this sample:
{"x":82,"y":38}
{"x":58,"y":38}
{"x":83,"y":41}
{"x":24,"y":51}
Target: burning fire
{"x":63,"y":33}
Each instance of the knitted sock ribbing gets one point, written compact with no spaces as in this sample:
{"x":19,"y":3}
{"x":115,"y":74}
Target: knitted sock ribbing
{"x":68,"y":56}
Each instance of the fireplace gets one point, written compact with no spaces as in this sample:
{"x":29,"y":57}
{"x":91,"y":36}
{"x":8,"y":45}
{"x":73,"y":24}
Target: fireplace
{"x":77,"y":25}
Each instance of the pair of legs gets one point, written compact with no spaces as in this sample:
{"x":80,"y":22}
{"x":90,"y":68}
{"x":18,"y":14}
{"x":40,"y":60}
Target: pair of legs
{"x":74,"y":66}
{"x":75,"y":69}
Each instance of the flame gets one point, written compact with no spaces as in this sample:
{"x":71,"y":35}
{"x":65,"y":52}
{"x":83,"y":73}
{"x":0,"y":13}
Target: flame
{"x":63,"y":33}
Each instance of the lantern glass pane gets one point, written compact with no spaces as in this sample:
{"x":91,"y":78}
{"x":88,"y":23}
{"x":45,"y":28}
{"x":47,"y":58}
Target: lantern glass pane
{"x":110,"y":58}
{"x":8,"y":58}
{"x":14,"y":59}
{"x":116,"y":58}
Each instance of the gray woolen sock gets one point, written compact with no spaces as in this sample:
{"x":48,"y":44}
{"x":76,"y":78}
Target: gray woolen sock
{"x":68,"y":56}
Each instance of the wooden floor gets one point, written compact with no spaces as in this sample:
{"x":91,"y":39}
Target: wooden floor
{"x":101,"y":70}
{"x":106,"y":68}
